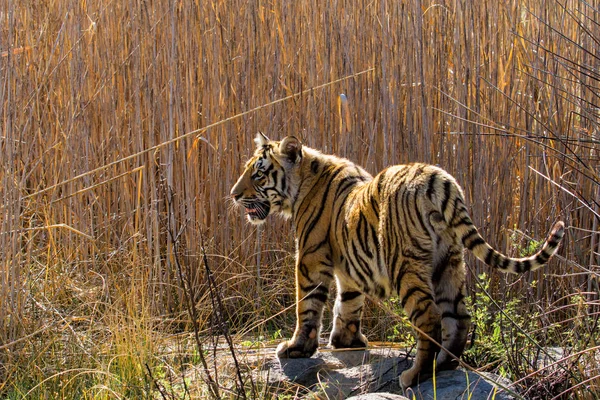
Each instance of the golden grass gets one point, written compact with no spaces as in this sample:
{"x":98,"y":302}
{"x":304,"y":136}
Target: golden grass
{"x":110,"y":109}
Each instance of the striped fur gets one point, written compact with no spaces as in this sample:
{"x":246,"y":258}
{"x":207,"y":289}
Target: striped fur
{"x":399,"y":233}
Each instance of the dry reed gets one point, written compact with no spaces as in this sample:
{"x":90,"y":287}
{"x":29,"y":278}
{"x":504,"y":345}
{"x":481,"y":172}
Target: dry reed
{"x":94,"y":95}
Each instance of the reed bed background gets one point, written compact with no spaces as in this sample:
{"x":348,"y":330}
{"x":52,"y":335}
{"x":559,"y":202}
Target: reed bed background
{"x":125,"y":124}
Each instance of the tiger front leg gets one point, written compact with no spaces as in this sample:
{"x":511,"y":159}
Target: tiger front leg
{"x":312,"y":290}
{"x":347,"y":313}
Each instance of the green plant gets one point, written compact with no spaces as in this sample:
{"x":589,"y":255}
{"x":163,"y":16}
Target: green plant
{"x":497,"y":330}
{"x":400,"y":332}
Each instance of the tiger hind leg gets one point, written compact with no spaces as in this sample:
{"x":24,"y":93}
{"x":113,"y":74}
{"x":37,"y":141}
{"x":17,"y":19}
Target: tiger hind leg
{"x":418,"y":303}
{"x":448,"y":280}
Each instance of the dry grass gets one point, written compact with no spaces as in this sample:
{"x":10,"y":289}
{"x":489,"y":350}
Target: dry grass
{"x":93,"y":99}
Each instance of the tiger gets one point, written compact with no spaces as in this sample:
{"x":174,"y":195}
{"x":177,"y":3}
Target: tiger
{"x":401,"y":233}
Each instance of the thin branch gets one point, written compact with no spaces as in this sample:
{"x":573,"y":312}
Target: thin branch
{"x":213,"y":387}
{"x":218,"y":309}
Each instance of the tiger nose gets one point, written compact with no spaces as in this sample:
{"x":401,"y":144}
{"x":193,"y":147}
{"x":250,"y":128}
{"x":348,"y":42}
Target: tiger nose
{"x":236,"y":193}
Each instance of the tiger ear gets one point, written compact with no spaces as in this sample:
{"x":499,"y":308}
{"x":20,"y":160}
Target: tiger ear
{"x":292,"y":148}
{"x":261,"y":140}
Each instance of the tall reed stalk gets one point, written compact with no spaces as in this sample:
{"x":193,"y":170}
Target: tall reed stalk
{"x":504,"y":95}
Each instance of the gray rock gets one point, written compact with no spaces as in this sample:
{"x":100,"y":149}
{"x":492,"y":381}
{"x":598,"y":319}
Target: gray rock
{"x":342,"y":374}
{"x":378,"y":396}
{"x":461,"y":384}
{"x":339,"y":374}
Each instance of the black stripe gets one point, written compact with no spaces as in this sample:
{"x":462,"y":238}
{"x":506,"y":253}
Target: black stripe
{"x":313,"y":223}
{"x":399,"y":179}
{"x":373,"y":233}
{"x":345,"y":233}
{"x":478,"y":241}
{"x":348,"y":296}
{"x":447,"y":187}
{"x":374,"y":205}
{"x":408,"y":253}
{"x":431,"y":185}
{"x":444,"y":300}
{"x":457,"y":203}
{"x":337,"y":218}
{"x":381,"y":180}
{"x":421,"y":222}
{"x":314,"y":166}
{"x":448,"y":314}
{"x":300,"y":217}
{"x":407,"y":207}
{"x":403,"y":271}
{"x":489,"y":256}
{"x":460,"y":209}
{"x":393,"y":263}
{"x":418,"y":245}
{"x":381,"y":267}
{"x":363,"y":235}
{"x":310,"y":198}
{"x":412,"y":291}
{"x":419,"y":312}
{"x":542,"y":257}
{"x":350,"y":267}
{"x":380,"y":291}
{"x":391,"y":229}
{"x":319,"y":296}
{"x":317,"y":246}
{"x":471,"y":232}
{"x":346,"y":183}
{"x":303,"y":270}
{"x":309,"y":311}
{"x":362,"y":263}
{"x":466,"y":220}
{"x":283,"y":183}
{"x":439,"y":268}
{"x":327,"y":273}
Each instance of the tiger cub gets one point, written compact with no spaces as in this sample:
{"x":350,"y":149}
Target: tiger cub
{"x":400,"y":233}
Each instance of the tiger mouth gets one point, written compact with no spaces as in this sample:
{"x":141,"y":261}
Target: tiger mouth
{"x":257,"y":211}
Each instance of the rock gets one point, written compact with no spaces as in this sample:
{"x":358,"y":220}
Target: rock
{"x":378,"y":396}
{"x":373,"y":372}
{"x":453,"y":385}
{"x":339,"y":374}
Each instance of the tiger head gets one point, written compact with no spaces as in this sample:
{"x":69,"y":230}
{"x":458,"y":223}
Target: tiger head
{"x":270,"y":181}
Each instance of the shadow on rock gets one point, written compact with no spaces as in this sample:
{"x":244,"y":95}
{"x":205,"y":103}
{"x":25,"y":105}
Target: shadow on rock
{"x":342,"y":374}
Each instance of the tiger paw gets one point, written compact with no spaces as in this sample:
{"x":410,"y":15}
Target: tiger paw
{"x":445,"y":362}
{"x":296,"y":348}
{"x":348,"y":336}
{"x":413,"y":376}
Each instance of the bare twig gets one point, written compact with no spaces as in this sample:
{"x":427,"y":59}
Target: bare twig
{"x":158,"y":386}
{"x":218,"y":311}
{"x":188,"y":293}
